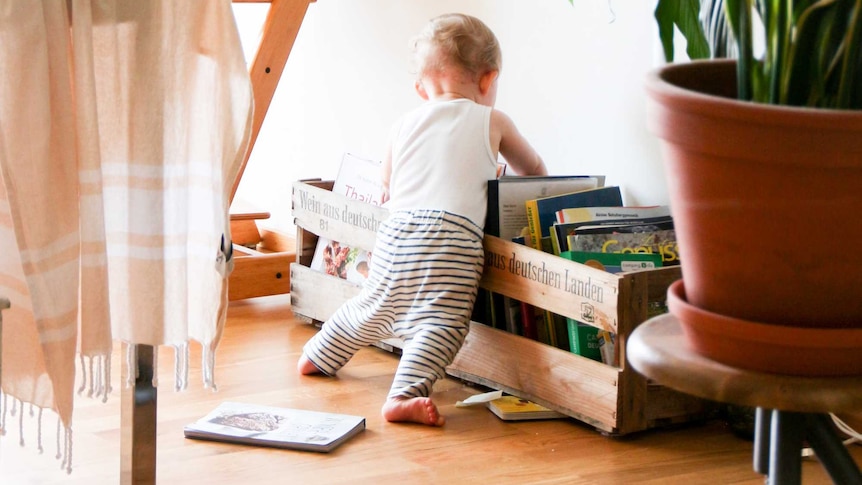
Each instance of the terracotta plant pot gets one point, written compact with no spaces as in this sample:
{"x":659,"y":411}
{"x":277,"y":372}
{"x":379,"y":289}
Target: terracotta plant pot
{"x":766,"y":347}
{"x":767,"y":200}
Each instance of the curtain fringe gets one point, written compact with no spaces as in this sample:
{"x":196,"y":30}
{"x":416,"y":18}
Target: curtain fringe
{"x":95,"y":370}
{"x":95,"y":379}
{"x":17,"y":409}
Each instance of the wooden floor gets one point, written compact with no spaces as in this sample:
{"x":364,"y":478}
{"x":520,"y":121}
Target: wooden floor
{"x":256,"y":363}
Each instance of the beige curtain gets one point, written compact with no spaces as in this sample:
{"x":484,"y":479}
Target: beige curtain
{"x":123,"y":124}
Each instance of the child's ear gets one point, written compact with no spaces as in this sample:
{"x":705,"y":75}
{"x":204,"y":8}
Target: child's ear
{"x":487,"y":80}
{"x":420,"y":90}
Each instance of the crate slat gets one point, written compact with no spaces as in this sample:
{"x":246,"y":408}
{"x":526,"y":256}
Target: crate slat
{"x":335,"y":216}
{"x":316,"y":295}
{"x":550,"y":282}
{"x":568,"y":383}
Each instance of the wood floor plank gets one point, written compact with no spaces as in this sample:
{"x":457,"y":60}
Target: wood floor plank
{"x":256,"y":363}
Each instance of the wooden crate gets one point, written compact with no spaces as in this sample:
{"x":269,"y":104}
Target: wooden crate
{"x":614,"y":399}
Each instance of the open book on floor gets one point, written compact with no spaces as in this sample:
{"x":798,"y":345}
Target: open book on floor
{"x":297,"y":429}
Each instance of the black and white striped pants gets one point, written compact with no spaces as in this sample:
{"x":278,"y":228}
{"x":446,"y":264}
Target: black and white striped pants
{"x":425,"y":271}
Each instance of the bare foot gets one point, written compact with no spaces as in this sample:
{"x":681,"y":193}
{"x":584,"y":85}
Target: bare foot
{"x":305,"y":367}
{"x":414,"y":410}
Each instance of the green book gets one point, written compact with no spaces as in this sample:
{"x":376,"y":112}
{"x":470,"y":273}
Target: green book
{"x":589,"y":341}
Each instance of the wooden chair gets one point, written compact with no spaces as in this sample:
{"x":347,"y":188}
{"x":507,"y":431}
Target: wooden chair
{"x":791,"y":410}
{"x":263,"y":257}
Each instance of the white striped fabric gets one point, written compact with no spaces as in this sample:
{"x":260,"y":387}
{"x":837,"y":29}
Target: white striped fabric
{"x":122,"y":129}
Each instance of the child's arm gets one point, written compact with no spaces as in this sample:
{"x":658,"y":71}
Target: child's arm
{"x":519,"y":154}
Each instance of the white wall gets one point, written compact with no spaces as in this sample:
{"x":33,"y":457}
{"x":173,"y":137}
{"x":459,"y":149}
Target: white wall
{"x":572,"y":80}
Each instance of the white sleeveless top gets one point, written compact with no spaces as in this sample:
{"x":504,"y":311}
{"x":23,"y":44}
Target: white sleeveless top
{"x":442,"y":159}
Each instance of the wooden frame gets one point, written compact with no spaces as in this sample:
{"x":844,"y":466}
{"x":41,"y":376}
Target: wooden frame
{"x":263,"y":257}
{"x":614,"y":399}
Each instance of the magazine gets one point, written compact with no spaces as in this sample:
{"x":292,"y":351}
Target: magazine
{"x":297,"y":429}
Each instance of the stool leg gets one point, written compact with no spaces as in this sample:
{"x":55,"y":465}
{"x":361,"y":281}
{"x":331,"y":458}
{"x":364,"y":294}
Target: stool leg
{"x":831,"y":451}
{"x":785,"y":447}
{"x":762,"y":418}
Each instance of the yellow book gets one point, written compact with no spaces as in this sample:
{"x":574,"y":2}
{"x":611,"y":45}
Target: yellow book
{"x":513,"y":408}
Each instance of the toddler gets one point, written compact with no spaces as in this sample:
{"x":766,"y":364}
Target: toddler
{"x":428,"y":254}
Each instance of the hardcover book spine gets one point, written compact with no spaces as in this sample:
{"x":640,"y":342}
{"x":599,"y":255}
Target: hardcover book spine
{"x":533,"y":227}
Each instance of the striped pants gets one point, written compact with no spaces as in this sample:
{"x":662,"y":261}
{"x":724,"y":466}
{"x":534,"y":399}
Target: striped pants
{"x":425,"y":271}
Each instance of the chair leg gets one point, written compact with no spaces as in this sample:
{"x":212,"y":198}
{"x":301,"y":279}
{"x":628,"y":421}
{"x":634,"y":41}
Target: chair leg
{"x":831,"y":451}
{"x":762,"y":419}
{"x":785,"y":457}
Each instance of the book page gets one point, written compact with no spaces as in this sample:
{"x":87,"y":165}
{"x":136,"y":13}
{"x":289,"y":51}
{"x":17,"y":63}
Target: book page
{"x":515,"y":191}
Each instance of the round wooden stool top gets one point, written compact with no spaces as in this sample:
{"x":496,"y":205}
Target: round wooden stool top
{"x":657,"y":349}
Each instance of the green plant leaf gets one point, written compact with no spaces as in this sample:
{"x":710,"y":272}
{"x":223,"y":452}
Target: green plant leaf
{"x":714,"y":22}
{"x":684,"y":15}
{"x":776,"y":18}
{"x":850,"y":69}
{"x":813,"y":47}
{"x":739,"y":18}
{"x":812,"y":56}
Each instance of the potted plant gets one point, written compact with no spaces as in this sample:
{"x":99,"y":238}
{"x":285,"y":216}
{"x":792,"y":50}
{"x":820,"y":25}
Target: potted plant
{"x":763,"y":158}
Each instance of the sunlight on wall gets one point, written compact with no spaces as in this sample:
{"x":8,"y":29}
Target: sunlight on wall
{"x":572,"y":80}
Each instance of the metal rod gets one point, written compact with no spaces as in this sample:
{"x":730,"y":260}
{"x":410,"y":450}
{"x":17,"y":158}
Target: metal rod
{"x":138,"y":418}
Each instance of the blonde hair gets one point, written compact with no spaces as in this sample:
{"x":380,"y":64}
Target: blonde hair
{"x":456,"y":41}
